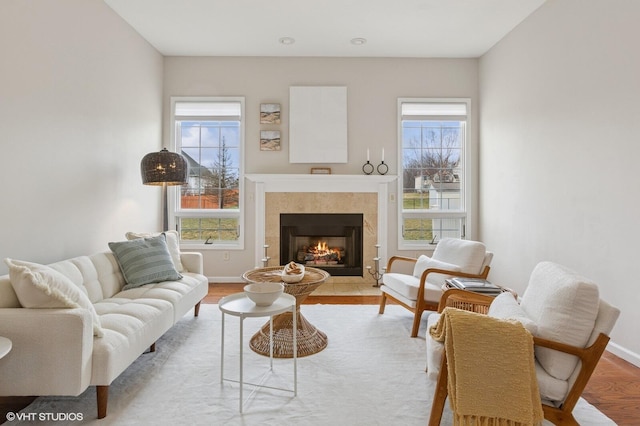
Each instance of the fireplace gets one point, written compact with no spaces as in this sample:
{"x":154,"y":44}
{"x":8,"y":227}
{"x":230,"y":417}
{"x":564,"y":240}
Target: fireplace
{"x":329,"y":241}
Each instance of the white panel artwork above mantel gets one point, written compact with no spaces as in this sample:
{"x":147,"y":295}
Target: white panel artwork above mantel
{"x":265,"y":183}
{"x":318,"y":124}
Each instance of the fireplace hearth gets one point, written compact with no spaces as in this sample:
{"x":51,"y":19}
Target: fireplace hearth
{"x":328,"y":241}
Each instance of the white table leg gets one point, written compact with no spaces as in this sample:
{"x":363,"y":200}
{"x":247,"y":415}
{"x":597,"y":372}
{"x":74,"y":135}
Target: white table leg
{"x":241,"y":378}
{"x":222,"y":351}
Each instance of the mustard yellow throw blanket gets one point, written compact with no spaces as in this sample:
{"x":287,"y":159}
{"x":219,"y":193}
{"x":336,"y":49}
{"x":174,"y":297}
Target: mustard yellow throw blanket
{"x":492,"y":379}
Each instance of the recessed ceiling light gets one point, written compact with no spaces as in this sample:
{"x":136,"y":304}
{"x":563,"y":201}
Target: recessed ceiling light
{"x":358,"y":41}
{"x":286,"y":40}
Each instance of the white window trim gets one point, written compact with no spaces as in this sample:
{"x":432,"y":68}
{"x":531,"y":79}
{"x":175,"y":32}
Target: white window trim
{"x":173,"y":192}
{"x":469,"y":186}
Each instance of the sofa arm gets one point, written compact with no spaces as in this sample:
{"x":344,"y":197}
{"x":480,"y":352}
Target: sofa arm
{"x":192,"y":261}
{"x":51,"y":351}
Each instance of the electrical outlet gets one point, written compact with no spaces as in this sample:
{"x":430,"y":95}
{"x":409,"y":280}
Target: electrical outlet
{"x":225,"y":255}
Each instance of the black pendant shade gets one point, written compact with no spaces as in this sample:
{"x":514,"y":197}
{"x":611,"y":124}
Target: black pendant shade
{"x":164,"y":167}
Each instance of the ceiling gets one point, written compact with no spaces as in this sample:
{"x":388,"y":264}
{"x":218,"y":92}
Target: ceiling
{"x":400,"y":28}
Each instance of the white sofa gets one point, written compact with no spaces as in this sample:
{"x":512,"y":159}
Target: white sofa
{"x":59,"y":351}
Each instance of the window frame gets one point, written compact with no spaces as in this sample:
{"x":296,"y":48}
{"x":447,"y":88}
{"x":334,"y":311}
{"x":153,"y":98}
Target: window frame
{"x":467,"y":189}
{"x":176,"y":212}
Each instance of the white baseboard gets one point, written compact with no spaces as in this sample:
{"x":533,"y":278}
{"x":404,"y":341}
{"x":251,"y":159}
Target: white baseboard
{"x":624,"y":353}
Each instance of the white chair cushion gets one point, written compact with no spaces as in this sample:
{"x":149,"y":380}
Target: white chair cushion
{"x":506,"y":307}
{"x":424,"y":262}
{"x":468,"y":255}
{"x":39,"y":286}
{"x":551,"y":389}
{"x":435,"y":349}
{"x":564,"y":306}
{"x":407,"y":286}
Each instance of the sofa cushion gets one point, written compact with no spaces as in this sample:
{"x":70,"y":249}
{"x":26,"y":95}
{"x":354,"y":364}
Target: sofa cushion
{"x":39,"y":286}
{"x":506,"y":307}
{"x":424,"y":262}
{"x":144,"y":261}
{"x":564,"y":306}
{"x":182,"y":294}
{"x":173,"y":244}
{"x":130,"y":327}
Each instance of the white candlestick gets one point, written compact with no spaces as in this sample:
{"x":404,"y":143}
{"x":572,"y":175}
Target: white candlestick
{"x":367,"y":154}
{"x":382,"y":154}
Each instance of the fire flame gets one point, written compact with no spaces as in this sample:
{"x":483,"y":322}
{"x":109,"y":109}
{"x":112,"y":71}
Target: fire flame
{"x":322,"y":250}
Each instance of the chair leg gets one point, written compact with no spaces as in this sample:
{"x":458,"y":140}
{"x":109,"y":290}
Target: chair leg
{"x":196,"y":309}
{"x":558,"y":416}
{"x":383,"y":302}
{"x":416,"y":322}
{"x":440,"y":394}
{"x":102,"y":396}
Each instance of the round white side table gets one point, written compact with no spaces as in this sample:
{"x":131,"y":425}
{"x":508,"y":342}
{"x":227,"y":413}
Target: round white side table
{"x":239,"y":305}
{"x":5,"y":346}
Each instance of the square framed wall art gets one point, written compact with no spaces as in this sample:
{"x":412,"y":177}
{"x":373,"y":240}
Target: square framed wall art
{"x":269,"y":113}
{"x":270,"y":140}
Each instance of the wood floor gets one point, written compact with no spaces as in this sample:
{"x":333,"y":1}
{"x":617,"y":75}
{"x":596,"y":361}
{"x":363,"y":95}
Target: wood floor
{"x":614,"y":387}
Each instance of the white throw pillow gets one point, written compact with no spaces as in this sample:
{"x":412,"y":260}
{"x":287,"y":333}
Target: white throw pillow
{"x":39,"y":286}
{"x":506,"y":307}
{"x":425,"y":262}
{"x":173,"y":244}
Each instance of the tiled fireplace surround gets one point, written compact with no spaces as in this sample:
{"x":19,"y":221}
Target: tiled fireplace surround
{"x":368,"y":195}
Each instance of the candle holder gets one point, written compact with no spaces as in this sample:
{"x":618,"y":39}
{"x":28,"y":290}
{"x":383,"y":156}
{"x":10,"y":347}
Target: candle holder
{"x":367,"y":168}
{"x":265,"y":259}
{"x":383,"y":168}
{"x":376,"y":272}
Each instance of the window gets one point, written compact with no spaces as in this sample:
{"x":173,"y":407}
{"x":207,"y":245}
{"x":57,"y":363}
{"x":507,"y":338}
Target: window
{"x":209,"y":132}
{"x":432,"y":142}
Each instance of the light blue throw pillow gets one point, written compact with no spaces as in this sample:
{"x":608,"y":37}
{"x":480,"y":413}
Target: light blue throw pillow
{"x":144,"y":261}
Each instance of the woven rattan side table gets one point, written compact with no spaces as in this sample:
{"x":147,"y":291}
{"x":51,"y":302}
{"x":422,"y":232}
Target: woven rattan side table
{"x":310,"y":340}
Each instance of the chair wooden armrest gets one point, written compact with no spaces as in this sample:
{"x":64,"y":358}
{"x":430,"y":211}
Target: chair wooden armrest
{"x":393,"y":259}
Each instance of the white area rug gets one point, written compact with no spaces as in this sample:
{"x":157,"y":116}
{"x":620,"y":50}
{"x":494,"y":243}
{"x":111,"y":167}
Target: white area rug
{"x":371,"y":373}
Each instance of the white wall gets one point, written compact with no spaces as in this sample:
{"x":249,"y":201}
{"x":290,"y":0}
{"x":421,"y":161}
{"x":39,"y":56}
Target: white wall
{"x":373,"y":88}
{"x":558,"y":151}
{"x":80,"y":105}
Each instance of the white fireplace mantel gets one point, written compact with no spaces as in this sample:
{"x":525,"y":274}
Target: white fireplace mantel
{"x":320,"y":183}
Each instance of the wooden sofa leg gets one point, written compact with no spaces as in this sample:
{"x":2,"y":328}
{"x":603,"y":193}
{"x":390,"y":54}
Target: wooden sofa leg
{"x":196,"y":309}
{"x":102,"y":393}
{"x":152,"y":348}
